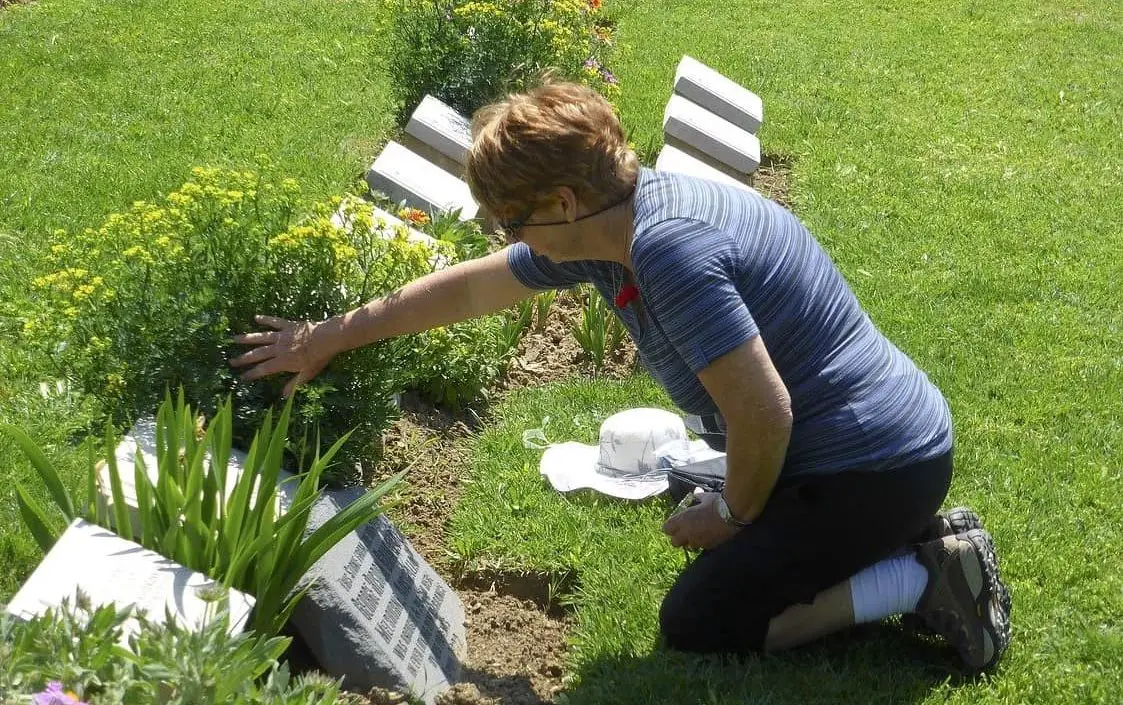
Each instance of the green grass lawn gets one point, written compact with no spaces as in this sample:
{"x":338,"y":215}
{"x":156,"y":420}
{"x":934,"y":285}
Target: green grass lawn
{"x":961,"y":163}
{"x":105,"y":103}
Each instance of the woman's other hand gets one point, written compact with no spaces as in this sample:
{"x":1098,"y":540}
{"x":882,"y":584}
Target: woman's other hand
{"x":699,"y":527}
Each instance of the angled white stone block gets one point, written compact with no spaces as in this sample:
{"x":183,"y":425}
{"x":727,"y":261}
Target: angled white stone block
{"x":711,"y":135}
{"x":442,"y":128}
{"x":387,"y":225}
{"x":111,"y":570}
{"x":677,"y":161}
{"x":142,"y":438}
{"x":718,"y":94}
{"x":405,"y":176}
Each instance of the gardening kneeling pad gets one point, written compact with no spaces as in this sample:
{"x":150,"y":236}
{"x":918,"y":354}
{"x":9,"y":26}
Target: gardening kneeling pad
{"x":377,"y":614}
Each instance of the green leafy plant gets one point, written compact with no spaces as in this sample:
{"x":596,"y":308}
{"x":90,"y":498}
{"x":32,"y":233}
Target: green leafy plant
{"x":469,"y":53}
{"x":542,"y":304}
{"x":516,"y":322}
{"x":454,"y":363}
{"x":600,"y":332}
{"x":153,"y":297}
{"x":464,"y":235}
{"x":80,"y":647}
{"x":234,"y":530}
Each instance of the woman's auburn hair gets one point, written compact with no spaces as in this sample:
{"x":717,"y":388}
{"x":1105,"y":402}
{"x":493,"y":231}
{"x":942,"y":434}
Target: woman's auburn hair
{"x":528,"y":145}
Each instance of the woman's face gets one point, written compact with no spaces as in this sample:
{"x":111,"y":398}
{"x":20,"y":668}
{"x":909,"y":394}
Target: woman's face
{"x":547,"y":229}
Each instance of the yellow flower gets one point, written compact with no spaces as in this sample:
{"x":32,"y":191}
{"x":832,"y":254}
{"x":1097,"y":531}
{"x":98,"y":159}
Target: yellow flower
{"x":179,"y":198}
{"x":70,"y":312}
{"x":84,"y":292}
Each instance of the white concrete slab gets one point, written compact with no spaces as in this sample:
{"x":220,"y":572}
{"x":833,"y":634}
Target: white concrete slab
{"x":111,"y":570}
{"x":718,"y":94}
{"x":677,"y":161}
{"x":405,"y":176}
{"x":142,"y":437}
{"x":711,"y":135}
{"x":442,"y":128}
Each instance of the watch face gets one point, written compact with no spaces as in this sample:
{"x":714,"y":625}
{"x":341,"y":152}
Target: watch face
{"x":723,"y":509}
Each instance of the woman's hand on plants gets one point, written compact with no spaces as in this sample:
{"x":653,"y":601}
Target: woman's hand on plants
{"x":291,"y":347}
{"x":699,"y":527}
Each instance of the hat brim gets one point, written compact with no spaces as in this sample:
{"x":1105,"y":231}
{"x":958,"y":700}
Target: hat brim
{"x":573,"y":466}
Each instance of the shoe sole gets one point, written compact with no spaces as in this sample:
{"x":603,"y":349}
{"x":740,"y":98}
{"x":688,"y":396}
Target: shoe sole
{"x":962,"y":520}
{"x":982,"y":578}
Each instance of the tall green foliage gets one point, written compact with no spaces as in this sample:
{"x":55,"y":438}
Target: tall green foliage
{"x":244,"y":532}
{"x":469,"y":53}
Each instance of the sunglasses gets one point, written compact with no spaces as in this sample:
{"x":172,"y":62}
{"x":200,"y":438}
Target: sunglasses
{"x":511,"y":228}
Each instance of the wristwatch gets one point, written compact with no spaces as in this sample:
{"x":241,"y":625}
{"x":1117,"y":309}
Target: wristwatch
{"x":726,"y":514}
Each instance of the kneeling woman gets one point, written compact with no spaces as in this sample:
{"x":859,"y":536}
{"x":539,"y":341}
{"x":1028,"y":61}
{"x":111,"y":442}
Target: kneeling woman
{"x":839,"y":448}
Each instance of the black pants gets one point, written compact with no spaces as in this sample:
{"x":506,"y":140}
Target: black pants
{"x":812,"y":534}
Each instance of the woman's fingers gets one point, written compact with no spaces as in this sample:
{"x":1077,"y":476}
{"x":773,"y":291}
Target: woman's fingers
{"x":256,"y":355}
{"x":259,"y":338}
{"x":274,"y":322}
{"x":269,"y":367}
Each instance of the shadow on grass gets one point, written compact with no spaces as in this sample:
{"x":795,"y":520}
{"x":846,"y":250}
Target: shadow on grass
{"x":869,"y":664}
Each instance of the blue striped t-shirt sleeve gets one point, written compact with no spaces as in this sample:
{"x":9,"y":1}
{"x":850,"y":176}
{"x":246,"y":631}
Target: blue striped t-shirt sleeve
{"x":538,"y":272}
{"x":686,"y":272}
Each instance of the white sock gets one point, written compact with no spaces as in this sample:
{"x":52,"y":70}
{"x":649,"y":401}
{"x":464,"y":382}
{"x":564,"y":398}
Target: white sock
{"x":893,"y":586}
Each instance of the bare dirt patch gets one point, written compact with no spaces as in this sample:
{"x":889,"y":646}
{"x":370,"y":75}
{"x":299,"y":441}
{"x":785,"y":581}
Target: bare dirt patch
{"x":548,"y":352}
{"x":773,"y":179}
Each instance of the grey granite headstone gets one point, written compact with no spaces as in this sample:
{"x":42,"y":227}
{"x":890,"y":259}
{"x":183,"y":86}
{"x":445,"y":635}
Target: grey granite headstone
{"x":718,"y":94}
{"x":714,"y":137}
{"x":377,"y":614}
{"x":405,"y":176}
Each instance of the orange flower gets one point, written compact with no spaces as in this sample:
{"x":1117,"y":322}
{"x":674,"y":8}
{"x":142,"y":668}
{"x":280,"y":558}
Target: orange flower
{"x":594,"y":4}
{"x":413,"y":215}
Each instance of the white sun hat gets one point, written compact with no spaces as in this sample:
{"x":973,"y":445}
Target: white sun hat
{"x":624,"y":463}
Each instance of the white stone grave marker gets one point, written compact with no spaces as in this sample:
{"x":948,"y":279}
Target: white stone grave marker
{"x":442,"y":128}
{"x":711,"y":135}
{"x":111,"y":570}
{"x":718,"y":94}
{"x":677,"y":161}
{"x":405,"y":176}
{"x":142,"y":436}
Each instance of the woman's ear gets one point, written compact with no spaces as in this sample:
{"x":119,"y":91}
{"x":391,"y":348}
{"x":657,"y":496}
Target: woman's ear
{"x":568,"y":202}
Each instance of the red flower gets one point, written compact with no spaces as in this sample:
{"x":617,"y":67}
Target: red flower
{"x":627,"y":294}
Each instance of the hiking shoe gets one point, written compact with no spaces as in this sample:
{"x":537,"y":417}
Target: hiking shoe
{"x":959,"y":520}
{"x":963,"y":599}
